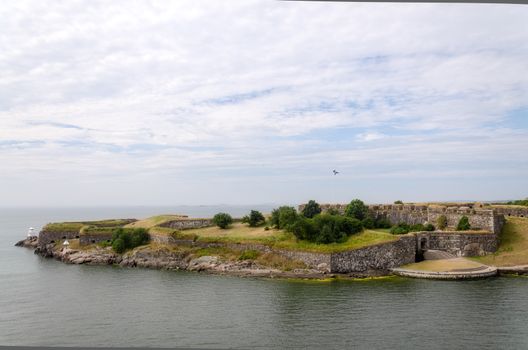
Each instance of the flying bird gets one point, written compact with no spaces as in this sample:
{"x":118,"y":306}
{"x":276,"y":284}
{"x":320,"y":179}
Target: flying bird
{"x":335,"y":172}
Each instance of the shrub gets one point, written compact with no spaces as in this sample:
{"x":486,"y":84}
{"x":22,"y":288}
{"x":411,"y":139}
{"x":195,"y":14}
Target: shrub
{"x":368,"y":222}
{"x":463,"y":224}
{"x":118,"y":245}
{"x":416,"y":228}
{"x":283,"y":217}
{"x":356,"y":209}
{"x":333,"y":211}
{"x":311,"y":209}
{"x":382,"y":223}
{"x":441,"y":222}
{"x":254,"y":218}
{"x":325,"y":228}
{"x":249,"y":254}
{"x":429,"y":227}
{"x":304,"y":229}
{"x":400,"y":229}
{"x":123,"y":239}
{"x":222,"y":220}
{"x":398,"y":202}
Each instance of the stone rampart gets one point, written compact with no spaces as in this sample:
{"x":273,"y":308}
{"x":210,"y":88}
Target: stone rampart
{"x":383,"y":256}
{"x":47,"y":237}
{"x":479,"y":218}
{"x":458,"y":243}
{"x":511,"y":210}
{"x":94,"y":238}
{"x":187,"y":223}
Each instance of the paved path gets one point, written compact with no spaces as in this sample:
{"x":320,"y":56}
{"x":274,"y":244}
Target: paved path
{"x":437,"y":255}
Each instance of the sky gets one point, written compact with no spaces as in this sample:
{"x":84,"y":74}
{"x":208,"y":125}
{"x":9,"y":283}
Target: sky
{"x":250,"y":102}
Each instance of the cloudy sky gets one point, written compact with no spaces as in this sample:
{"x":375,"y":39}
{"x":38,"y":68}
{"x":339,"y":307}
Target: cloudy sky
{"x":246,"y":102}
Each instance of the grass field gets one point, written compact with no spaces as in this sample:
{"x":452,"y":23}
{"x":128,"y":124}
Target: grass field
{"x":242,"y":233}
{"x":153,"y":221}
{"x":513,"y":248}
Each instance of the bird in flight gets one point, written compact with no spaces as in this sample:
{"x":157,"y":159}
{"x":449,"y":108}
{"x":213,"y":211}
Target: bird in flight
{"x":335,"y":172}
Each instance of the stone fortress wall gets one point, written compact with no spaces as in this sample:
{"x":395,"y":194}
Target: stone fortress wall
{"x":479,"y":217}
{"x":48,"y":236}
{"x":187,"y":223}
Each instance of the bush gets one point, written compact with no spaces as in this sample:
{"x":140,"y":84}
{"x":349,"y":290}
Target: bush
{"x":222,"y":220}
{"x":429,"y":227}
{"x":441,"y":222}
{"x":356,"y":209}
{"x":325,"y":228}
{"x":333,"y":211}
{"x":382,"y":223}
{"x":463,"y":224}
{"x":123,"y":239}
{"x":283,"y":218}
{"x":416,"y":228}
{"x":398,"y":202}
{"x":118,"y":245}
{"x":249,"y":254}
{"x":254,"y":218}
{"x":368,"y":222}
{"x":311,"y":209}
{"x":400,"y":229}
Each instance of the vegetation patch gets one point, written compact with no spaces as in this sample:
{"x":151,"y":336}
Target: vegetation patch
{"x":279,"y":262}
{"x":513,"y":248}
{"x":154,"y":221}
{"x":63,"y":226}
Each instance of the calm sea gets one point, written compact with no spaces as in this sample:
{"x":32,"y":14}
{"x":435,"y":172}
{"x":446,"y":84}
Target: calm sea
{"x":45,"y":302}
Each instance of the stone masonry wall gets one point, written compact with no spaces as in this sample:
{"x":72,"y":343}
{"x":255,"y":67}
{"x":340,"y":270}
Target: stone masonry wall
{"x":511,"y":210}
{"x":46,"y":237}
{"x":184,"y":223}
{"x":382,"y":256}
{"x":457,"y":243}
{"x":479,"y":218}
{"x":90,"y":239}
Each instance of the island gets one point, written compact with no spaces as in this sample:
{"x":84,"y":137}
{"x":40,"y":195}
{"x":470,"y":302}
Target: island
{"x":354,"y":240}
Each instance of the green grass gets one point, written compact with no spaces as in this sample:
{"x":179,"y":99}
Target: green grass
{"x":360,"y":240}
{"x":96,"y":230}
{"x":241,"y":233}
{"x":63,"y":226}
{"x":154,"y":221}
{"x":513,"y":248}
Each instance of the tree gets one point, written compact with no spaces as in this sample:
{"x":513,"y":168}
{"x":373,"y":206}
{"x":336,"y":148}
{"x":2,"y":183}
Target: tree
{"x":441,"y":222}
{"x":311,"y":209}
{"x":254,"y":218}
{"x":222,"y":220}
{"x":463,"y":224}
{"x":368,"y":222}
{"x":356,"y":209}
{"x":283,"y":217}
{"x":118,"y":246}
{"x":398,"y":202}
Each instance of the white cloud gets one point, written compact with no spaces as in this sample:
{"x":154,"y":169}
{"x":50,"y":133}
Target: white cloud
{"x":180,"y":92}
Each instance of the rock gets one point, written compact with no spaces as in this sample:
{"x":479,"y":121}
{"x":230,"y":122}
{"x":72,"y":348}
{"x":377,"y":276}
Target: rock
{"x":203,"y":263}
{"x":29,"y":242}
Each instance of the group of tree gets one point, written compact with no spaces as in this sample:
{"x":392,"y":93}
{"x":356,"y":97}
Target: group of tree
{"x":312,"y":225}
{"x":519,"y":202}
{"x":403,"y":228}
{"x":128,"y":238}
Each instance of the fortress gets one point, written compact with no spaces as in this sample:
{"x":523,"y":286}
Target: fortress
{"x":486,"y":224}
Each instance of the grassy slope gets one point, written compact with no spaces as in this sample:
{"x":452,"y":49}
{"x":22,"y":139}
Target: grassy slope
{"x":513,"y":249}
{"x":241,"y":233}
{"x":153,"y":221}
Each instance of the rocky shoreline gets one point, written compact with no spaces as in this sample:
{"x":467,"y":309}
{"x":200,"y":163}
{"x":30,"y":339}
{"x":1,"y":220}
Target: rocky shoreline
{"x":165,"y":258}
